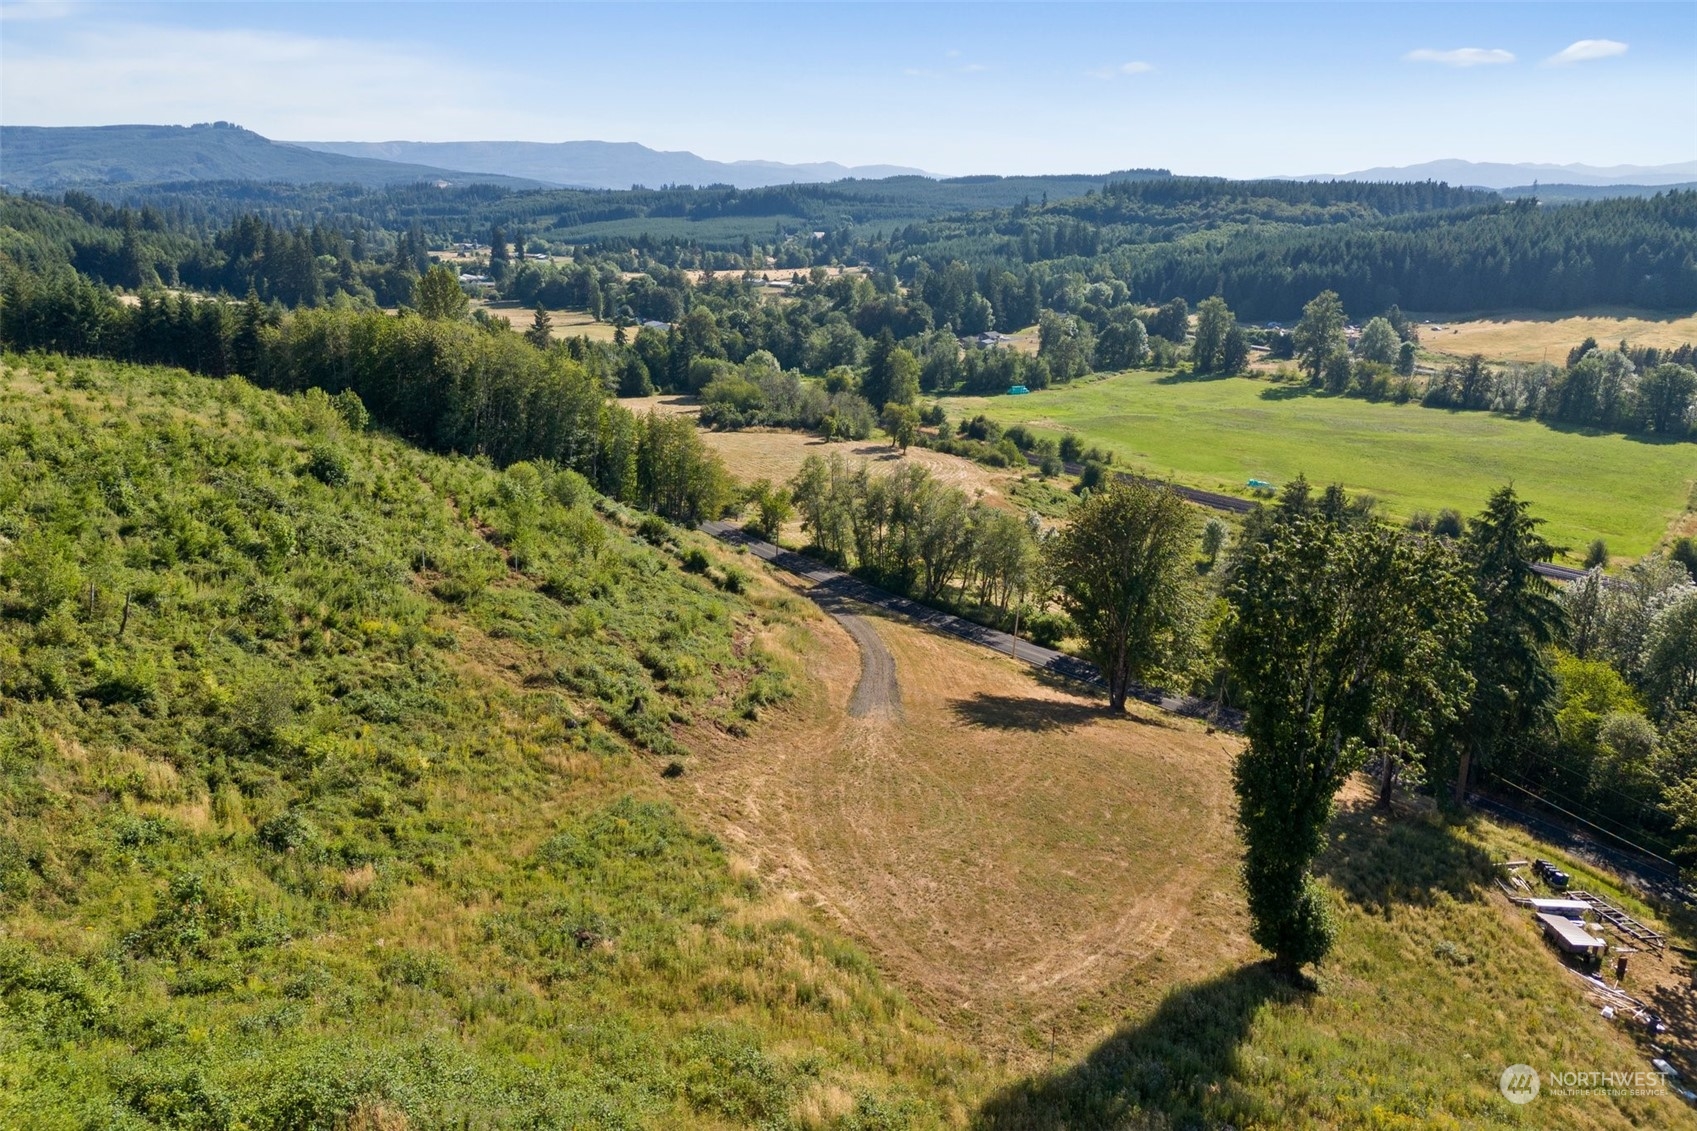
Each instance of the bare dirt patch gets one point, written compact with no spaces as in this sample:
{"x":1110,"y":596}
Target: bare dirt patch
{"x":1025,"y":865}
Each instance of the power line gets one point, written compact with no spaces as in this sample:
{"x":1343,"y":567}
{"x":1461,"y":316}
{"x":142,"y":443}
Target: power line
{"x":1613,"y":836}
{"x":1591,"y":809}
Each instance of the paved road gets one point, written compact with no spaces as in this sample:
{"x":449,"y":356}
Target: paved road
{"x":1652,"y":876}
{"x":1211,"y":499}
{"x":1234,"y":505}
{"x":832,"y":587}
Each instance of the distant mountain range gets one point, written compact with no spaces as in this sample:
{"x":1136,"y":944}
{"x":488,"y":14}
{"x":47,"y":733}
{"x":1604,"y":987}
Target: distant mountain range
{"x":1494,"y":175}
{"x":61,"y":157}
{"x":41,"y":158}
{"x":603,"y":164}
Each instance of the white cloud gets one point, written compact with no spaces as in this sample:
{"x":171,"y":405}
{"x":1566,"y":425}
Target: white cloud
{"x":39,"y":10}
{"x":1584,"y":50}
{"x":1135,"y":67}
{"x":1461,"y":56}
{"x":280,"y":84}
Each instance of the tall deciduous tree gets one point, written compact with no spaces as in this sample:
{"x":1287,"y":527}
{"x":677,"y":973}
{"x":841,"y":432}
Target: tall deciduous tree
{"x":1123,"y":342}
{"x":1319,"y":335}
{"x":1123,"y":572}
{"x":1214,"y":323}
{"x":1338,"y":648}
{"x":437,"y":294}
{"x":1379,"y":342}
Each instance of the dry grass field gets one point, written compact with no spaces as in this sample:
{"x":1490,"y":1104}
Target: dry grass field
{"x":1057,"y":888}
{"x":1017,"y":894}
{"x":778,"y":455}
{"x":1529,"y":336}
{"x":567,"y":323}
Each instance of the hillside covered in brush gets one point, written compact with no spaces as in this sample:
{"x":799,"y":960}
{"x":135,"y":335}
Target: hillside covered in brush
{"x":331,"y":789}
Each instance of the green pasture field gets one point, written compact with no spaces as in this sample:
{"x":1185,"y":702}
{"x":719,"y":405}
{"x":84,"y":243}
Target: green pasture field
{"x":1219,"y":434}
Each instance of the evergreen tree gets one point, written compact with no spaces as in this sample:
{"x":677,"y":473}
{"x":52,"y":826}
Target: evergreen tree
{"x":1510,"y":646}
{"x":541,"y":328}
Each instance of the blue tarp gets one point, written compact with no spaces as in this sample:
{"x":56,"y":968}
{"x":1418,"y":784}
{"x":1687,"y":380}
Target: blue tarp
{"x":1017,"y":390}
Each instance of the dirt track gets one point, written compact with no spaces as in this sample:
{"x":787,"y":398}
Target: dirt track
{"x":877,"y":692}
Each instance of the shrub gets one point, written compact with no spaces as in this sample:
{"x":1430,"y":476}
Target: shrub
{"x":328,"y":465}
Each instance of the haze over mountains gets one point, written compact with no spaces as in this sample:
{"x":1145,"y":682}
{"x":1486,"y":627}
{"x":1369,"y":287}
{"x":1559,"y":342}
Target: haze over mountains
{"x":603,"y":164}
{"x":55,"y":158}
{"x":60,"y":157}
{"x":1498,"y":175}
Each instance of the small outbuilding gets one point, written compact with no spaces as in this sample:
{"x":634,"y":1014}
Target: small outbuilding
{"x":1571,"y":937}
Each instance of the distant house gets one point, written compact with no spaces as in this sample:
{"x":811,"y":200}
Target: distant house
{"x":652,"y":324}
{"x":475,"y":280}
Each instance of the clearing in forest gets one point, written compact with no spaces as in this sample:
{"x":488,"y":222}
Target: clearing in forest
{"x":1220,"y":433}
{"x":1531,"y":336}
{"x":777,"y":454}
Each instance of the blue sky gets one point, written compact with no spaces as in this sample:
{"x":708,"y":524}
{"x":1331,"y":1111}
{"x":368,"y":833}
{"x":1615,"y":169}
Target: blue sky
{"x":1231,"y":89}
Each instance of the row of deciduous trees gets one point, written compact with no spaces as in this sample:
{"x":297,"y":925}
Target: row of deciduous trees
{"x":914,"y":533}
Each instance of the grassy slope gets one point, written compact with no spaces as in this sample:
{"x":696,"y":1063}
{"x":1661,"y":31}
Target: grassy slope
{"x":1030,"y":870}
{"x":1435,"y":987}
{"x":349,"y":819}
{"x":1221,"y":433}
{"x":352,"y":812}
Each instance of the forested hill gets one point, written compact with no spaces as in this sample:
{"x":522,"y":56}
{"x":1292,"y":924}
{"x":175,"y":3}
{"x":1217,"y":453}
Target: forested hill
{"x":716,"y":215}
{"x":1267,"y":256}
{"x":602,"y":164}
{"x":40,"y":157}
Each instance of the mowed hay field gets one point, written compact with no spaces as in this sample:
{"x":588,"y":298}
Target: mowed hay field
{"x":1058,"y":888}
{"x":1220,"y":433}
{"x":777,"y":455}
{"x":566,"y":323}
{"x":1528,"y":336}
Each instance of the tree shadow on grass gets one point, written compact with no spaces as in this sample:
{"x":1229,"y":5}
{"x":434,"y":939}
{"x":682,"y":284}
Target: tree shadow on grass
{"x":1292,"y":392}
{"x":1380,"y":860}
{"x":1177,"y":1068}
{"x":1017,"y":712}
{"x":1185,"y":377}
